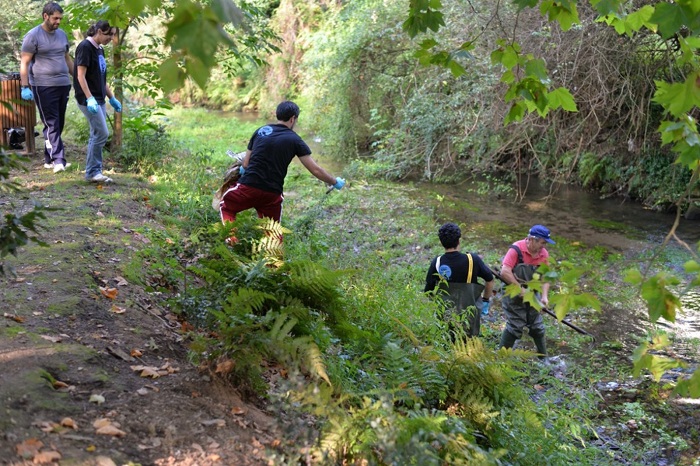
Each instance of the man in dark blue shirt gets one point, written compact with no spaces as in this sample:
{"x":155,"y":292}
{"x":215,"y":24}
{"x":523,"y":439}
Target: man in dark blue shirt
{"x":270,"y":151}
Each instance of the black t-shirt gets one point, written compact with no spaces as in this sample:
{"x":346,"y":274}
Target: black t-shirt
{"x":454,"y":267}
{"x":273,"y":149}
{"x":93,"y":58}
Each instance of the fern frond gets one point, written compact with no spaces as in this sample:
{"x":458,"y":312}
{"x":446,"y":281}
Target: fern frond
{"x":300,"y":351}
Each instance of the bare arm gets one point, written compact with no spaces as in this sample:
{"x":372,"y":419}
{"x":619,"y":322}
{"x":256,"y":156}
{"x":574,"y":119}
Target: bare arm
{"x":246,"y":159}
{"x":24,"y":68}
{"x":488,"y":290}
{"x":83,"y":82}
{"x":316,"y":170}
{"x":509,"y":278}
{"x":69,"y":62}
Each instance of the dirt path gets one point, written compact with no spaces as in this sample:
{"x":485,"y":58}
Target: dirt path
{"x":70,"y":354}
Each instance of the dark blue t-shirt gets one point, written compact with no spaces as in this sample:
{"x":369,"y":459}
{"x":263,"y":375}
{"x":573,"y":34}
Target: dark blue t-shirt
{"x":273,"y":147}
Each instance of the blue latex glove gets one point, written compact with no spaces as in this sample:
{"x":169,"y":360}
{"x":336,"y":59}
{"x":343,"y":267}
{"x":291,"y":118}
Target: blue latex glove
{"x":339,"y":183}
{"x":116,"y":104}
{"x":92,"y":105}
{"x":485,"y":308}
{"x":241,"y":170}
{"x":27,"y":94}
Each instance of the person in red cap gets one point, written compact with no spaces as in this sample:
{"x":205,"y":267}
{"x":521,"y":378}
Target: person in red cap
{"x":517,"y":268}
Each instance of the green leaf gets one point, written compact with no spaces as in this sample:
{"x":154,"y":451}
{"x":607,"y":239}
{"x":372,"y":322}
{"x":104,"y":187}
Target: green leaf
{"x":456,"y":69}
{"x":522,"y":4}
{"x":633,"y":276}
{"x":562,"y":98}
{"x":171,"y":76}
{"x":134,"y":7}
{"x":538,"y":70}
{"x":562,"y":11}
{"x":641,"y":18}
{"x":660,"y":301}
{"x":197,"y":71}
{"x":604,"y":7}
{"x":689,"y":387}
{"x":516,"y":113}
{"x":670,"y":17}
{"x":228,"y":12}
{"x":679,"y":98}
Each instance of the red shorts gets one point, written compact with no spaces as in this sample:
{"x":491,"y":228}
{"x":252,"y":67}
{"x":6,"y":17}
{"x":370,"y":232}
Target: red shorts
{"x":241,"y":197}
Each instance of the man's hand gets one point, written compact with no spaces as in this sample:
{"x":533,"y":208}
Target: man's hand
{"x":92,"y":105}
{"x":27,"y":94}
{"x":339,"y":183}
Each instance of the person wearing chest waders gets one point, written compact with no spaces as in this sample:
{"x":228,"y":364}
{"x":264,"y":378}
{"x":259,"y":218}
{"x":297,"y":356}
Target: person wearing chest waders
{"x":518,"y":268}
{"x":457,"y":274}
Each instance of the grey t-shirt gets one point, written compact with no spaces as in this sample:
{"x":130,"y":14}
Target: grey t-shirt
{"x":48,"y":67}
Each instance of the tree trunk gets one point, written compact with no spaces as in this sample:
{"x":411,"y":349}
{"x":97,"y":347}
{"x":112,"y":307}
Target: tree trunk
{"x":118,"y":90}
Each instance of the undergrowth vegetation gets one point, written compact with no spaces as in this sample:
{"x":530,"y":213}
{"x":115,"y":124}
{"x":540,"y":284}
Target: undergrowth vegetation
{"x":331,"y":328}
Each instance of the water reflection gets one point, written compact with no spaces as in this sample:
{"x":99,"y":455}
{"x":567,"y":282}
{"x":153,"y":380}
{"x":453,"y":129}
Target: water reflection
{"x":572,"y":213}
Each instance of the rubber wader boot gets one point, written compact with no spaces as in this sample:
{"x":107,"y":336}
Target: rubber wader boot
{"x":541,"y":344}
{"x":507,"y":339}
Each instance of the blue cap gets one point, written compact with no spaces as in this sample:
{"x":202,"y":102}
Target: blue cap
{"x":541,"y":232}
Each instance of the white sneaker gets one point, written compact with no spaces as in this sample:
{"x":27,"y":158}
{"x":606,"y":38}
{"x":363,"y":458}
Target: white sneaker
{"x":100,"y":178}
{"x":68,"y":164}
{"x":48,"y":166}
{"x":58,"y":167}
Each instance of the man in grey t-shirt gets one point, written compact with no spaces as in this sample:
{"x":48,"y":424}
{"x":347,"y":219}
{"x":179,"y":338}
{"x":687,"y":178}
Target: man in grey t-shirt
{"x":45,"y":73}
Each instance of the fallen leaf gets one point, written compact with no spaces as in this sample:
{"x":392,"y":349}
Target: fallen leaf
{"x":47,"y":426}
{"x":46,"y":457}
{"x":29,"y":448}
{"x":14,"y":317}
{"x":99,"y":187}
{"x":539,"y":387}
{"x":169,"y":241}
{"x":214,"y":422}
{"x":110,"y":430}
{"x":238,"y":410}
{"x":99,"y":399}
{"x":70,"y":423}
{"x":146,"y":371}
{"x":100,"y":214}
{"x":110,"y":293}
{"x":224,"y":367}
{"x":90,"y":448}
{"x":121,"y":281}
{"x":101,"y":422}
{"x":136,"y":353}
{"x":57,"y":384}
{"x":117,"y":310}
{"x":142,"y":391}
{"x":51,"y":338}
{"x":196,"y":394}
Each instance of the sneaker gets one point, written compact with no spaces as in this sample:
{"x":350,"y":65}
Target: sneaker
{"x":68,"y":164}
{"x":100,"y":178}
{"x":48,"y":166}
{"x":58,"y":167}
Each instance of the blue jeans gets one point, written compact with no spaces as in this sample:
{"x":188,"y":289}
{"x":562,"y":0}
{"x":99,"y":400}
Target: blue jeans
{"x":99,"y":132}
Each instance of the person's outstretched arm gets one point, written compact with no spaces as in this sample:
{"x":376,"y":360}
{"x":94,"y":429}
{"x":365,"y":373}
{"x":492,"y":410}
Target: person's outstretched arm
{"x":316,"y":170}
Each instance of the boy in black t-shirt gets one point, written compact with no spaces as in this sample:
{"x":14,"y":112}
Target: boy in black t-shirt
{"x":457,"y":274}
{"x":270,"y":151}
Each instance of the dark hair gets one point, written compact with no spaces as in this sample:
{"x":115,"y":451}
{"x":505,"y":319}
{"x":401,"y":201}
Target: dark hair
{"x":101,"y":25}
{"x":449,"y":235}
{"x":286,"y":110}
{"x":51,"y":8}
